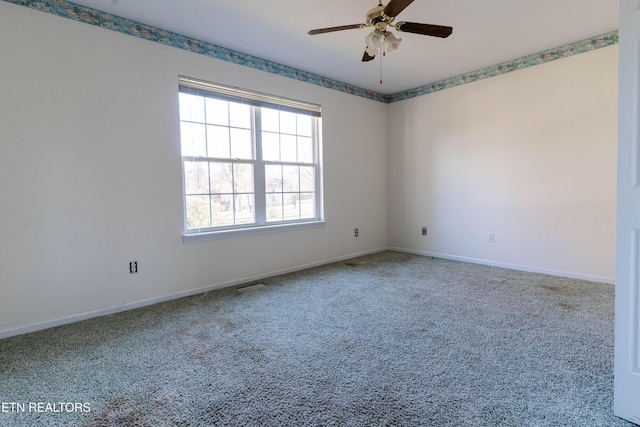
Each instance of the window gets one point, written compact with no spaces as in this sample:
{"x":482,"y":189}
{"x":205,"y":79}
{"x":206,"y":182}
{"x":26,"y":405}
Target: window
{"x":250,"y":161}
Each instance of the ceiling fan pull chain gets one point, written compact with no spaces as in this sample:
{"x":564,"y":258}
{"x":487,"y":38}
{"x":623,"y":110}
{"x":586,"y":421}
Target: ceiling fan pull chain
{"x":384,"y":53}
{"x":383,"y":45}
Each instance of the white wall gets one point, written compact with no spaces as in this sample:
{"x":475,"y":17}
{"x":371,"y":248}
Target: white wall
{"x":529,"y":156}
{"x":90,"y":174}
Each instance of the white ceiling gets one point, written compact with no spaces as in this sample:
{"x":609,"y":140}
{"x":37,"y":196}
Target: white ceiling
{"x":485,"y":33}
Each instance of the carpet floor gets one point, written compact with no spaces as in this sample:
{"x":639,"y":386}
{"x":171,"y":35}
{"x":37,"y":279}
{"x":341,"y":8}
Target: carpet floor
{"x":388,"y":339}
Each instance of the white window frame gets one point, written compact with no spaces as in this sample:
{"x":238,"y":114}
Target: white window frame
{"x":256,"y":100}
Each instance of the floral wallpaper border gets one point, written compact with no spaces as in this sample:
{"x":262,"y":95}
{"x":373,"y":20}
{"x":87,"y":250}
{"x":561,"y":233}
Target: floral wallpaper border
{"x":91,"y":16}
{"x":582,"y":46}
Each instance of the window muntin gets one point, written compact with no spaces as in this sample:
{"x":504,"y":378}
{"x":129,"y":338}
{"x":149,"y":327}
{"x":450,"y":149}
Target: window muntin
{"x":247,"y":163}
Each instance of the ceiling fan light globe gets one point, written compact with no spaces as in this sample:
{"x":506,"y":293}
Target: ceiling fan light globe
{"x":391,"y":42}
{"x":374,"y":40}
{"x":371,"y":52}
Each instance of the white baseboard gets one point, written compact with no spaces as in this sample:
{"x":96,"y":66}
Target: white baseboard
{"x":143,"y":303}
{"x":549,"y":272}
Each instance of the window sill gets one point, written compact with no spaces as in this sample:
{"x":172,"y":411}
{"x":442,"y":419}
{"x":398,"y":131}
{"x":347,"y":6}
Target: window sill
{"x":250,"y":231}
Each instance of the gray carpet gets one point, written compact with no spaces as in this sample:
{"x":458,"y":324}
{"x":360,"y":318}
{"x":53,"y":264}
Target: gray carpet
{"x":388,"y":339}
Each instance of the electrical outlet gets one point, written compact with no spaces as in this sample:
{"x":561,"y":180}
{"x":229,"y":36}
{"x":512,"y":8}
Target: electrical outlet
{"x":424,"y":231}
{"x":492,"y":237}
{"x":133,"y":267}
{"x":356,"y":232}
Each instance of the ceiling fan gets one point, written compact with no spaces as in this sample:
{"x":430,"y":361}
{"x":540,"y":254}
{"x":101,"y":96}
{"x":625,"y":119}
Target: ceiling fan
{"x":380,"y":39}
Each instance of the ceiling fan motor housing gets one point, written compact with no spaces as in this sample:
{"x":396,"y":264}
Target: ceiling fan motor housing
{"x":376,"y":18}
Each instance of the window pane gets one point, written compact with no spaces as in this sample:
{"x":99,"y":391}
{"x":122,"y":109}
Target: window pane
{"x":221,"y":178}
{"x":194,"y":140}
{"x":291,"y":178}
{"x":196,"y":178}
{"x":270,"y":146}
{"x":273,"y":178}
{"x":287,"y":122}
{"x":191,"y":107}
{"x":291,"y":206}
{"x":270,"y":120}
{"x":288,"y":148}
{"x":307,"y":178}
{"x":243,"y":178}
{"x":217,"y":112}
{"x":274,"y":207}
{"x":218,"y":141}
{"x":307,"y":205}
{"x":304,"y":125}
{"x":222,"y":208}
{"x":244,"y":209}
{"x":240,"y":115}
{"x":198,"y":212}
{"x":241,"y":147}
{"x":305,"y":149}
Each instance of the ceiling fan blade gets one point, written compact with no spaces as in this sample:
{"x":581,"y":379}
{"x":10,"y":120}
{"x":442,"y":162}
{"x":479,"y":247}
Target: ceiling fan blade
{"x":425,"y":29}
{"x":332,"y":29}
{"x":366,"y":57}
{"x":395,"y":7}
